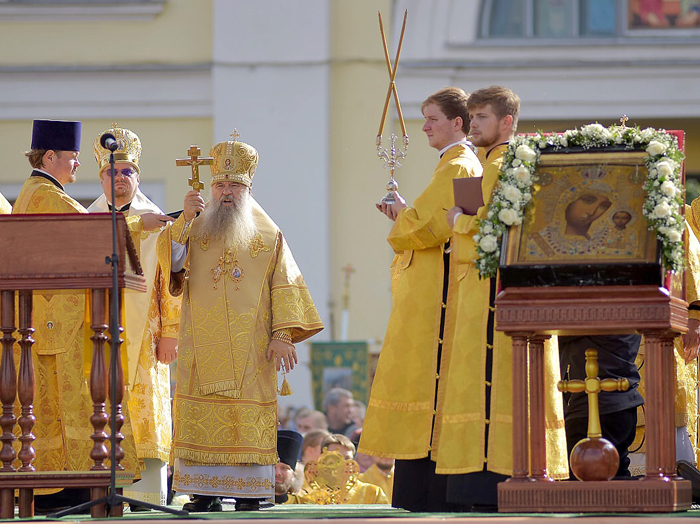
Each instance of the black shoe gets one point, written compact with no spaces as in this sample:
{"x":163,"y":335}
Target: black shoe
{"x":247,"y":504}
{"x":691,"y":473}
{"x":137,"y":507}
{"x":203,"y":503}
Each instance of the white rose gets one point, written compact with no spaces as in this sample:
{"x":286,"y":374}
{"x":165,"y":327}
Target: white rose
{"x":668,"y":188}
{"x":522,"y":174}
{"x":487,"y":228}
{"x":564,"y":142}
{"x":662,"y":210}
{"x":512,"y":193}
{"x":488,"y":244}
{"x":516,"y":162}
{"x":618,"y":140}
{"x":525,"y":153}
{"x":664,"y":168}
{"x":674,"y":235}
{"x":656,"y":148}
{"x":542,"y":144}
{"x":592,"y":129}
{"x":508,"y":216}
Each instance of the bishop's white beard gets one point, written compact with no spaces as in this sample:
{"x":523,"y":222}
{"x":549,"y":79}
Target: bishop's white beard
{"x":235,"y":224}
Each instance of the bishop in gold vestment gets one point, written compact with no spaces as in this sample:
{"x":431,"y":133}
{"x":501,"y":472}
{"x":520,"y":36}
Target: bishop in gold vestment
{"x":152,"y":322}
{"x":245,"y":304}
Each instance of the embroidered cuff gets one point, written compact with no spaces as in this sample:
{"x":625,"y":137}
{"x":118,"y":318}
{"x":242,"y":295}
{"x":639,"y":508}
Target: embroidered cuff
{"x":284,"y":335}
{"x":180,"y":230}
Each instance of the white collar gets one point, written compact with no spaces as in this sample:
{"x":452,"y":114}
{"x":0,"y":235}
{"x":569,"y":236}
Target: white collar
{"x":463,"y":141}
{"x":48,"y":175}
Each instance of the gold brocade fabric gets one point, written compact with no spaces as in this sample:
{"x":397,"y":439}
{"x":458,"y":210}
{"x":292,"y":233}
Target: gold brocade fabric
{"x":225,"y":407}
{"x":149,"y":316}
{"x":5,"y":207}
{"x":62,"y":403}
{"x":373,"y":475}
{"x":462,"y":393}
{"x":149,"y":403}
{"x":400,"y":412}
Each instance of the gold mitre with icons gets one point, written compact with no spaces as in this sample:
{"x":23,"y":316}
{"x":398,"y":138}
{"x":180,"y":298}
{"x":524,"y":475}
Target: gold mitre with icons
{"x":331,"y":478}
{"x":129,"y":150}
{"x":234,"y":161}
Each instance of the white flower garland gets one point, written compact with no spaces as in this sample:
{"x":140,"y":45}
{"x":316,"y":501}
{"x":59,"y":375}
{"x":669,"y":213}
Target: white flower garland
{"x":662,"y":207}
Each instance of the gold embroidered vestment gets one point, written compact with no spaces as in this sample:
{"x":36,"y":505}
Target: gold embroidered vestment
{"x":225,"y":407}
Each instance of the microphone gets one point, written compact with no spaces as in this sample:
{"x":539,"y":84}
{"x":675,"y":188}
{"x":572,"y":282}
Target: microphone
{"x":109,"y":142}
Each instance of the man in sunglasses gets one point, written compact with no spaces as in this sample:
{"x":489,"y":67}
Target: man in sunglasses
{"x":151,"y":332}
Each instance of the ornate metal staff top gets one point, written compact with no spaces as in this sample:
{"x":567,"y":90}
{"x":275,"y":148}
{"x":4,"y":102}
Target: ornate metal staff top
{"x":194,"y":161}
{"x":392,"y":155}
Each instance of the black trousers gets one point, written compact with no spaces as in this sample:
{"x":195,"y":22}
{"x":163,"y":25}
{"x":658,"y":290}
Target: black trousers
{"x":618,"y":427}
{"x":418,"y":488}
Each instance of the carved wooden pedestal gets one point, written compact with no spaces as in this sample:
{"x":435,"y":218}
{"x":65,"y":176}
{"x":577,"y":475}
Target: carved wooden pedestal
{"x":528,"y":315}
{"x":57,"y":252}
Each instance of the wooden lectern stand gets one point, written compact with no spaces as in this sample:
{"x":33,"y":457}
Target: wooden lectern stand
{"x":50,"y":252}
{"x":529,"y":315}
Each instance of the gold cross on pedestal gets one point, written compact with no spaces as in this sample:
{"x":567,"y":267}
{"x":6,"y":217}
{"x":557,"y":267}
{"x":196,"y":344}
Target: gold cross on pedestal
{"x":194,"y":161}
{"x":235,"y":135}
{"x":592,"y":386}
{"x":624,"y":120}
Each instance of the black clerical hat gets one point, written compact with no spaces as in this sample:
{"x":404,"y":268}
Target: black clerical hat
{"x":289,"y":446}
{"x":59,"y":135}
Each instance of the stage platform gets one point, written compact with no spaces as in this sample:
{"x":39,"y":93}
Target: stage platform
{"x":379,"y":514}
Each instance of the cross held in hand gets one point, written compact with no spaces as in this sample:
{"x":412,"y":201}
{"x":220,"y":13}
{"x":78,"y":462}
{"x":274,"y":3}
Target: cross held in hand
{"x":194,"y":161}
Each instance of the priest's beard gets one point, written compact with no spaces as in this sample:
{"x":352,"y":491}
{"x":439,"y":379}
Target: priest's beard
{"x":232,"y":224}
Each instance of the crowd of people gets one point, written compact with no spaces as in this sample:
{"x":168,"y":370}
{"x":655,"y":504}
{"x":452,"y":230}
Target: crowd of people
{"x":227,"y":300}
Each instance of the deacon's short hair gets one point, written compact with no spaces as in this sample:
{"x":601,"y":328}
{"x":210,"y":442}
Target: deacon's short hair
{"x":503,"y":102}
{"x":36,"y":157}
{"x":453,"y":102}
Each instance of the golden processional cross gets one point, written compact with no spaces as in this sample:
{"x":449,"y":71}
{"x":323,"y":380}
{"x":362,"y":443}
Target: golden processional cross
{"x":194,"y":161}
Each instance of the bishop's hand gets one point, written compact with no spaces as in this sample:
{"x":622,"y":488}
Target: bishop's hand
{"x":194,"y":203}
{"x":284,"y":354}
{"x":153,"y":221}
{"x":166,"y":350}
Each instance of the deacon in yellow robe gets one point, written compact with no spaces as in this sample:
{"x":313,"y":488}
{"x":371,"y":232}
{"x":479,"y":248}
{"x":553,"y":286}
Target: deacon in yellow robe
{"x":151,"y":326}
{"x":402,"y":408}
{"x":5,"y":207}
{"x":474,"y":425}
{"x":62,"y":404}
{"x":245,"y":304}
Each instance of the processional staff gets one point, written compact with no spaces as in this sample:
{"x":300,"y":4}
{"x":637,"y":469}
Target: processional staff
{"x":392,"y":155}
